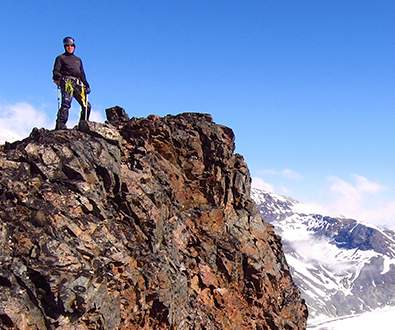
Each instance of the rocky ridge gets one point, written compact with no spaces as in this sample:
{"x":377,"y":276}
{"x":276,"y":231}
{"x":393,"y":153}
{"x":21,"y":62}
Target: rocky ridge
{"x":142,"y":223}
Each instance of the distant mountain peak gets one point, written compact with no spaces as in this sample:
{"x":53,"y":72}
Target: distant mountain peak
{"x":8,"y":136}
{"x":342,"y":266}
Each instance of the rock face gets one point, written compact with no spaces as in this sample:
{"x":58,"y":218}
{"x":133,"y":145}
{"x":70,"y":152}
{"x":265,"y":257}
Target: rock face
{"x":137,"y":224}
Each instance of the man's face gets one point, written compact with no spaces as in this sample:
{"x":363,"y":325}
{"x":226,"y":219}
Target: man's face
{"x":69,"y":49}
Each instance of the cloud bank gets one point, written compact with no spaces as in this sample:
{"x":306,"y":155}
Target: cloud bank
{"x":357,"y":198}
{"x":361,"y":199}
{"x":17,"y":121}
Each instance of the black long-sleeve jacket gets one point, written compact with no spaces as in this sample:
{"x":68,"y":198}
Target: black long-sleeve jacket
{"x":68,"y":64}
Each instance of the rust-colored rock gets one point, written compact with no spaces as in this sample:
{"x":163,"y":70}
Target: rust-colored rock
{"x":137,"y":224}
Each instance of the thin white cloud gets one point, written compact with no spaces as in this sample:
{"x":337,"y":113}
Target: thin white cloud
{"x":260,"y":184}
{"x":268,"y":172}
{"x":361,"y":186}
{"x":290,"y":174}
{"x":285,"y":190}
{"x":286,"y":173}
{"x":360,"y":199}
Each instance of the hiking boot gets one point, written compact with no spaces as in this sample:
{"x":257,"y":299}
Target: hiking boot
{"x":60,"y":126}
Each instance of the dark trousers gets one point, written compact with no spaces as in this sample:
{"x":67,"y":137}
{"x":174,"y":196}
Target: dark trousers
{"x":67,"y":96}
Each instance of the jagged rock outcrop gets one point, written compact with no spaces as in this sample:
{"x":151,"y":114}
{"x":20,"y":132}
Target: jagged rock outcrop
{"x":137,"y":224}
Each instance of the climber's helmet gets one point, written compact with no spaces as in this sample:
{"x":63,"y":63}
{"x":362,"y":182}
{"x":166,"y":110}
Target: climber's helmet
{"x":68,"y":41}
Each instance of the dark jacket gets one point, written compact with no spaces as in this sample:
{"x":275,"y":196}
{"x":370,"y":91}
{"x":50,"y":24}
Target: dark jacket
{"x":69,"y":65}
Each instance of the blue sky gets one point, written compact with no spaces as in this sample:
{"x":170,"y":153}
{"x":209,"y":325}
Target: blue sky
{"x":307,"y":86}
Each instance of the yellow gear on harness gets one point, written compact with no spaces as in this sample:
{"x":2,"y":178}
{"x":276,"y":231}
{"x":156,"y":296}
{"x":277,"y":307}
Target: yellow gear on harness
{"x":68,"y":87}
{"x":83,"y":97}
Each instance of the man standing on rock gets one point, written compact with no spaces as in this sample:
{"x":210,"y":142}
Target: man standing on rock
{"x":69,"y":75}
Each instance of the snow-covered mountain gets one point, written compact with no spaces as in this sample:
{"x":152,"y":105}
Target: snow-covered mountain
{"x":342,"y":266}
{"x":6,"y":135}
